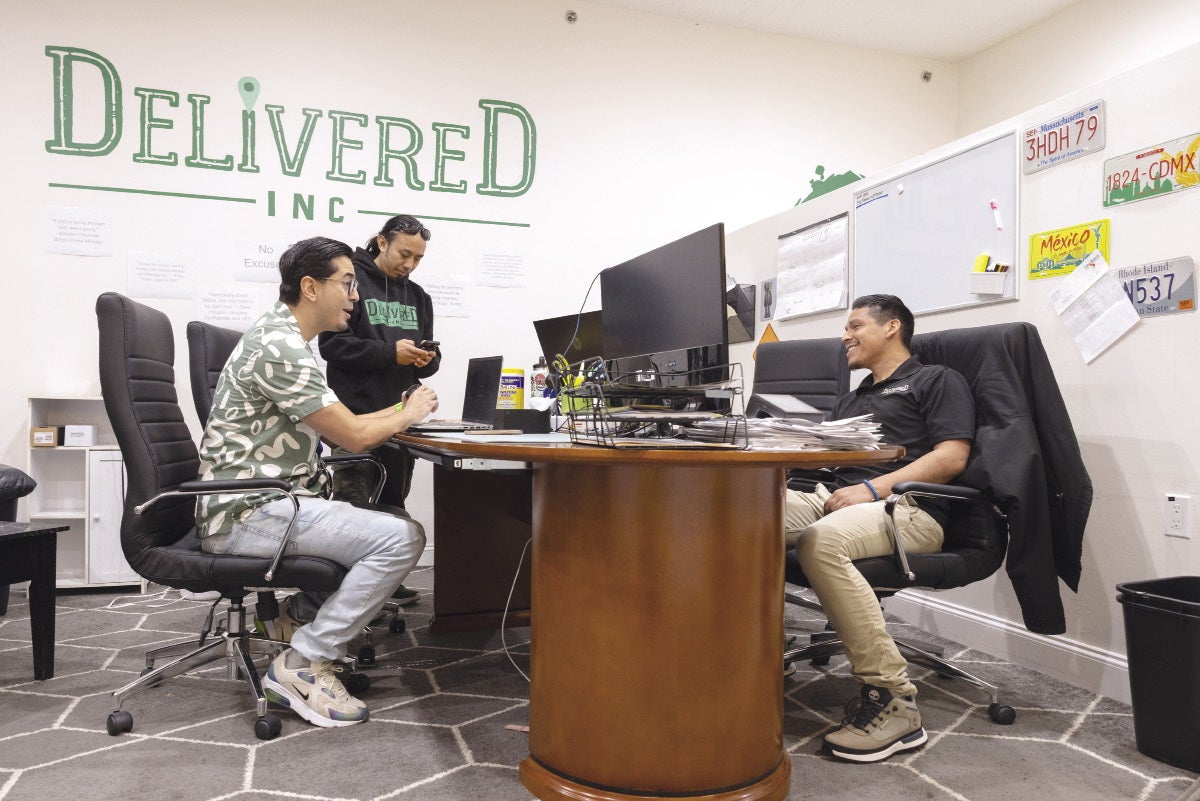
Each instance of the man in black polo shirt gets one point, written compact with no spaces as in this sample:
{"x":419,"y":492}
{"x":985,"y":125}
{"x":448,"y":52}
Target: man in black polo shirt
{"x":928,"y":409}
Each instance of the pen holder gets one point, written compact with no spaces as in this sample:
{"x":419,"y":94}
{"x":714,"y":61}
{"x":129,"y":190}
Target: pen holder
{"x":567,"y":402}
{"x":988,"y":283}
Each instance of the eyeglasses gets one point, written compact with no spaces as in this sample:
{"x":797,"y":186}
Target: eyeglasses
{"x":410,"y":228}
{"x":350,"y":286}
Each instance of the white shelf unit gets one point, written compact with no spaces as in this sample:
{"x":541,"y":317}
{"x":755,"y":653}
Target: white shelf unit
{"x":82,"y":487}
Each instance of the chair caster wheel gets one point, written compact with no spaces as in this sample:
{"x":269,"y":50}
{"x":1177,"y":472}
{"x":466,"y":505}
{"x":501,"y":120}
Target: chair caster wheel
{"x":397,"y":625}
{"x":366,"y":655}
{"x":1004,"y":715}
{"x":356,"y":683}
{"x":268,"y":727}
{"x":820,"y":661}
{"x":119,"y":722}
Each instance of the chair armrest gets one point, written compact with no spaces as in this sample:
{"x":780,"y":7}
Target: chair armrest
{"x":14,"y":483}
{"x":922,"y":489}
{"x":233,"y":487}
{"x":951,"y":491}
{"x":339,"y":459}
{"x":334,"y":462}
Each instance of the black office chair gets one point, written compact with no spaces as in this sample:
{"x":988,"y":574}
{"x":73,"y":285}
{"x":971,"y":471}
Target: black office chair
{"x":976,"y":536}
{"x":813,"y":370}
{"x":994,"y":360}
{"x":14,"y":485}
{"x":209,"y":348}
{"x":158,"y":525}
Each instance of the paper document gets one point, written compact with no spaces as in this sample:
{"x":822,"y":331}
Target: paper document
{"x":1093,"y":306}
{"x":796,"y":434}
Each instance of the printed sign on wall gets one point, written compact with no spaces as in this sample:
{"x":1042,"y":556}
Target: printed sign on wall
{"x":490,"y":152}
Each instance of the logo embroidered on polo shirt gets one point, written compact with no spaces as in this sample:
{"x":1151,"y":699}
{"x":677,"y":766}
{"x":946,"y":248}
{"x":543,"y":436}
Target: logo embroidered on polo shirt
{"x":891,"y":390}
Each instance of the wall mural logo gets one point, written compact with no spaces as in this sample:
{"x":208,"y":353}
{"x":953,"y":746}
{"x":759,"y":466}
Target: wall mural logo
{"x":504,"y":160}
{"x":824,"y":184}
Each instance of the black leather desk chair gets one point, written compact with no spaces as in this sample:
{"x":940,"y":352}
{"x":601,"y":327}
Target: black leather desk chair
{"x":813,"y":370}
{"x":158,"y":526}
{"x":14,"y":485}
{"x":209,"y":348}
{"x":995,"y":360}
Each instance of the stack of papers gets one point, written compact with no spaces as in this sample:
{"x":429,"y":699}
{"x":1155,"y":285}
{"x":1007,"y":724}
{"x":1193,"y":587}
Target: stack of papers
{"x":794,"y":434}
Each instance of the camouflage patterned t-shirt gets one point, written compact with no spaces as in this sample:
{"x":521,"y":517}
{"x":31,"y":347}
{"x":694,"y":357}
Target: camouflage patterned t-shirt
{"x":271,"y":383}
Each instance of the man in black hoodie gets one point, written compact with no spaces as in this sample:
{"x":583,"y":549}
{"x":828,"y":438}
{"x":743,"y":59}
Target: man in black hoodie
{"x":380,"y":355}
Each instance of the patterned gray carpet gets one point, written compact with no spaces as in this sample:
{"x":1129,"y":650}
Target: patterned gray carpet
{"x":445,"y":718}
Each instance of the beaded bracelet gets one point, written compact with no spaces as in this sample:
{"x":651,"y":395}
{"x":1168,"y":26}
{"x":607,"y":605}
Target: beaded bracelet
{"x":871,"y":487}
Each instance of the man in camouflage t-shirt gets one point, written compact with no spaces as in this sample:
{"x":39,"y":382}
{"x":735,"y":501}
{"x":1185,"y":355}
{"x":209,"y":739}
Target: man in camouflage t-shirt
{"x":257,"y":430}
{"x":272,"y":404}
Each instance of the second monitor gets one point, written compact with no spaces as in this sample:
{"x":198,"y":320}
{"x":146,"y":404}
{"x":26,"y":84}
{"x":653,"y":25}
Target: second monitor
{"x":576,"y":337}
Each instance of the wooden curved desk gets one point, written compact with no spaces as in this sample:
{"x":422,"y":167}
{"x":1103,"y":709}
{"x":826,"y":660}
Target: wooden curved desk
{"x":657,"y":618}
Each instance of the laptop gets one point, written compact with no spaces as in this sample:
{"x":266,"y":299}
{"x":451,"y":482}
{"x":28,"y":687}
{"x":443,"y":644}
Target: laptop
{"x":557,"y":335}
{"x":479,"y":399}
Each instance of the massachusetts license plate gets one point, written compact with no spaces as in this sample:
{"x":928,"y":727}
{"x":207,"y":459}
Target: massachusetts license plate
{"x":1064,"y":138}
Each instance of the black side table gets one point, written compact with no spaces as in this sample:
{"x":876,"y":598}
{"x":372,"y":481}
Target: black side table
{"x":27,"y":553}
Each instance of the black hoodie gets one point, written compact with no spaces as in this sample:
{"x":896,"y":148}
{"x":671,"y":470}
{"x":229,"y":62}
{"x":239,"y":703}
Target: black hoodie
{"x":362,"y":359}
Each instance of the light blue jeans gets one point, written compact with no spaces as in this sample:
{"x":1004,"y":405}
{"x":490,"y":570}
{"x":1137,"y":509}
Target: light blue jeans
{"x":379,"y":550}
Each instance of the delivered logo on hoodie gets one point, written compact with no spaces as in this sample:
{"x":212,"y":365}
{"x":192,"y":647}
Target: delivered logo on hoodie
{"x":393,"y":314}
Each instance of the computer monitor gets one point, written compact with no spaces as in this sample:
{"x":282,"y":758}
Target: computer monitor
{"x":670,"y":299}
{"x":558,"y":335}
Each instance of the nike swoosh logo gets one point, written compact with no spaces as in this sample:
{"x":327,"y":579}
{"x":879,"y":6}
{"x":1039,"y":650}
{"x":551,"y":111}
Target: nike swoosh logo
{"x":302,"y":694}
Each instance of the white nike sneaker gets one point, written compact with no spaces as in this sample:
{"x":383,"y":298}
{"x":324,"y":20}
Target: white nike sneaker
{"x":313,"y":692}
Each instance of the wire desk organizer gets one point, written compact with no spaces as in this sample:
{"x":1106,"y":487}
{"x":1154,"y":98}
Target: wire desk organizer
{"x":656,"y":410}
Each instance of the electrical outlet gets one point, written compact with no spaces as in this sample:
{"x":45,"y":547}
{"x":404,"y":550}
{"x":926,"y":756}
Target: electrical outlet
{"x":1177,"y":515}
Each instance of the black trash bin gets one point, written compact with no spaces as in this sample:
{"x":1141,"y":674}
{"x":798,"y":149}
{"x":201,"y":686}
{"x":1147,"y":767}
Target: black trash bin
{"x":1162,"y":641}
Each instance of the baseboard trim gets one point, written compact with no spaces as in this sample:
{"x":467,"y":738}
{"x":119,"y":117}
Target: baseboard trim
{"x":1079,"y":664}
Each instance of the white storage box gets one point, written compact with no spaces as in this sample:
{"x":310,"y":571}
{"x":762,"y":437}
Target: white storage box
{"x":79,"y":436}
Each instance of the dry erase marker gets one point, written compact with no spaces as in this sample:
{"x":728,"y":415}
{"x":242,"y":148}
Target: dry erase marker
{"x":996,"y":214}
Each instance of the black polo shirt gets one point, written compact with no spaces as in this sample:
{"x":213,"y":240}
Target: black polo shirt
{"x":917,"y":406}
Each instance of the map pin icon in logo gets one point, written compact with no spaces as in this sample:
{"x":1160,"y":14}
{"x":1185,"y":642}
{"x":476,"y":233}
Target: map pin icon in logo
{"x":248,"y":89}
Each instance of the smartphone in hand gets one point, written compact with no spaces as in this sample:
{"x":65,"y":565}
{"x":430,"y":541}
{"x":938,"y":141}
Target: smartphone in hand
{"x":409,"y":391}
{"x":429,"y":344}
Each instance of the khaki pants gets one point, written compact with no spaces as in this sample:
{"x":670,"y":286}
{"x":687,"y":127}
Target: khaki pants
{"x":827,"y":544}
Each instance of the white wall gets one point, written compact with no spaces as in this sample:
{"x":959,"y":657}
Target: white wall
{"x":1082,"y":45}
{"x":647,"y":129}
{"x":1131,"y":408}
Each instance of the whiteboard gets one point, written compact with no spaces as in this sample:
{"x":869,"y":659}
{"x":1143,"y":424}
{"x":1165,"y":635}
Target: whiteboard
{"x":918,"y":235}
